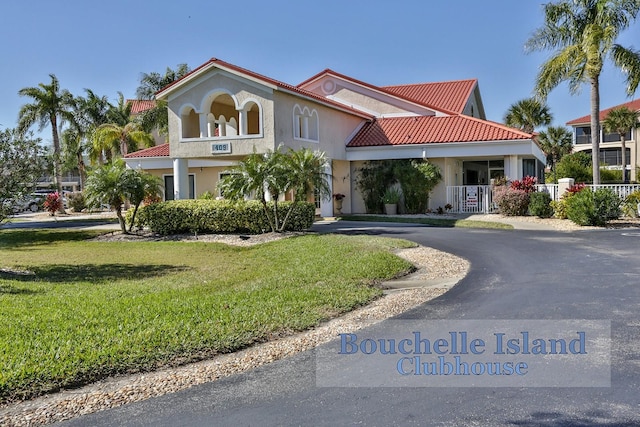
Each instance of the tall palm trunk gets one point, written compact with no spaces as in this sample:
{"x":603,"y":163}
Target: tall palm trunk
{"x":595,"y":129}
{"x":57,"y":170}
{"x":623,"y":143}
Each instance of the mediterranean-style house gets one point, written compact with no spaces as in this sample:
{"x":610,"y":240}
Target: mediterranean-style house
{"x":610,"y":146}
{"x":220,"y":112}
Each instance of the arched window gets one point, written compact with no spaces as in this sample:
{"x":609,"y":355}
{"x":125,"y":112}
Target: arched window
{"x":305,"y":124}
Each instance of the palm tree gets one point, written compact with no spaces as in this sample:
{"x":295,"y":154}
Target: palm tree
{"x":157,"y":117}
{"x":152,"y":82}
{"x":120,"y":140}
{"x":583,"y":35}
{"x":114,"y":184}
{"x":307,"y":172}
{"x":276,"y":172}
{"x":555,"y":141}
{"x":527,"y":114}
{"x":621,"y":120}
{"x":89,"y":113}
{"x":51,"y":106}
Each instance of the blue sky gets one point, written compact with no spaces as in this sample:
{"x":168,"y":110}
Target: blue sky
{"x":105,"y":46}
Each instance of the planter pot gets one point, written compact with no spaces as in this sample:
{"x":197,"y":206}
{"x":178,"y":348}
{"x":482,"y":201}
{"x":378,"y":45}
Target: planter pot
{"x":338,"y":207}
{"x":638,"y":208}
{"x":391,"y":209}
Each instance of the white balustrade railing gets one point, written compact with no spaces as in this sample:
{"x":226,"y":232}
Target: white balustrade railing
{"x":479,"y":198}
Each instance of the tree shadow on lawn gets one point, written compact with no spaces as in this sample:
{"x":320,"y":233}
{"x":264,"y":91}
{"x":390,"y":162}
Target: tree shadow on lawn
{"x":18,"y":238}
{"x":92,"y":272}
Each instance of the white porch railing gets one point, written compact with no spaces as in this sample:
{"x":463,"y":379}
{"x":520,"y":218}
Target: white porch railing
{"x":622,"y":190}
{"x":479,"y":198}
{"x":552,"y":189}
{"x":470,"y":199}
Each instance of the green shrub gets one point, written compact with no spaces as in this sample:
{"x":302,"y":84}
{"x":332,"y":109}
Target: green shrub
{"x":511,"y":202}
{"x":559,"y":208}
{"x":540,"y":204}
{"x":630,"y":204}
{"x":593,"y":208}
{"x":77,"y":201}
{"x":220,"y":216}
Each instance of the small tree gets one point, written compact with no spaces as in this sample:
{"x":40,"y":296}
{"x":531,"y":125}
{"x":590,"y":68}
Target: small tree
{"x":21,"y":164}
{"x":417,"y":179}
{"x":277,"y":173}
{"x":556,"y":142}
{"x":114,"y":184}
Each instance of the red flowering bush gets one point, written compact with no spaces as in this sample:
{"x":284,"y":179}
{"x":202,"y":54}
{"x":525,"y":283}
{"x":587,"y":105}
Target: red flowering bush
{"x":528,"y":184}
{"x":574,"y":189}
{"x":53,"y":203}
{"x":511,"y":201}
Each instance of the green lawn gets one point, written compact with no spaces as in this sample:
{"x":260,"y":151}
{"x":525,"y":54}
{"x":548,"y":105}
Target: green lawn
{"x":435,"y":222}
{"x":74,"y":310}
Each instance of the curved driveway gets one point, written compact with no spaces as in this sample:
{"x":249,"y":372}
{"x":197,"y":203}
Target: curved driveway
{"x":514,"y":275}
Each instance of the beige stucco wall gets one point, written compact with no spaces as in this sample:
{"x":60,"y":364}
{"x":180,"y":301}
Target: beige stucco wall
{"x":334,"y":126}
{"x":350,"y":97}
{"x":205,"y":179}
{"x":242,"y":90}
{"x":341,"y":182}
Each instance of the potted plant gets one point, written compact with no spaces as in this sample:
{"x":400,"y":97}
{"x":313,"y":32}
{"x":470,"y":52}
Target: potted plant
{"x":338,"y":197}
{"x":390,"y":199}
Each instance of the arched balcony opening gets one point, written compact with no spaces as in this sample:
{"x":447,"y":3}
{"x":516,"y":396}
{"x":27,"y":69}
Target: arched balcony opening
{"x":225,"y":116}
{"x":252,"y":112}
{"x":190,"y":124}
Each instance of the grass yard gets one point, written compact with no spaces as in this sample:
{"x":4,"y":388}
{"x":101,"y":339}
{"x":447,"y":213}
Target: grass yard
{"x":435,"y":222}
{"x":74,"y":310}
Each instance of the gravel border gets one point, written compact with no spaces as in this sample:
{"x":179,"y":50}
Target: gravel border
{"x":117,"y":391}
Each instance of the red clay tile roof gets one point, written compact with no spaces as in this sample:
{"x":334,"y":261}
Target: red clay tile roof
{"x":140,"y":105}
{"x":395,"y":93}
{"x":161,"y":150}
{"x":267,"y":80}
{"x":452,"y":95}
{"x":632,"y":105}
{"x":432,"y":130}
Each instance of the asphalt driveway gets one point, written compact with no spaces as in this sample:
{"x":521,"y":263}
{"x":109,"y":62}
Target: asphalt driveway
{"x":590,"y":275}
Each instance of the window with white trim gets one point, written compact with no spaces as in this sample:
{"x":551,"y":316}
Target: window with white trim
{"x":305,"y":124}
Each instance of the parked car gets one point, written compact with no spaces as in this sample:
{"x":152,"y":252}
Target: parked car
{"x":31,"y":203}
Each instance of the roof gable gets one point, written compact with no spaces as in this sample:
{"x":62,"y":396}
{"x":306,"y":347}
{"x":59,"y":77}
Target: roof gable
{"x":395,"y":94}
{"x":432,"y":130}
{"x":259,"y":78}
{"x":632,"y":105}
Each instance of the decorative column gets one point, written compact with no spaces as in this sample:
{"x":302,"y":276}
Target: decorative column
{"x":180,"y":179}
{"x":204,"y":124}
{"x":326,"y":206}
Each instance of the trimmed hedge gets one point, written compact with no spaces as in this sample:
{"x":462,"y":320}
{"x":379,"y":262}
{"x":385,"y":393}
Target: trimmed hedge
{"x":220,"y":216}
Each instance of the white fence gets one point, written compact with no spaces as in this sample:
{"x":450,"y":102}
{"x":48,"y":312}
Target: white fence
{"x":470,"y":199}
{"x":479,"y":198}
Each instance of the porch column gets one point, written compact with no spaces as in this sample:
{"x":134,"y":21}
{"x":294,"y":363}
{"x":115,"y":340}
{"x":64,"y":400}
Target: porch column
{"x":326,"y":206}
{"x":242,"y":125}
{"x":511,"y":169}
{"x":180,"y":179}
{"x":204,"y":124}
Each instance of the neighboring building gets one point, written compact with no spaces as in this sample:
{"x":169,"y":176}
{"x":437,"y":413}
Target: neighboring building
{"x":219,"y":113}
{"x":610,"y":147}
